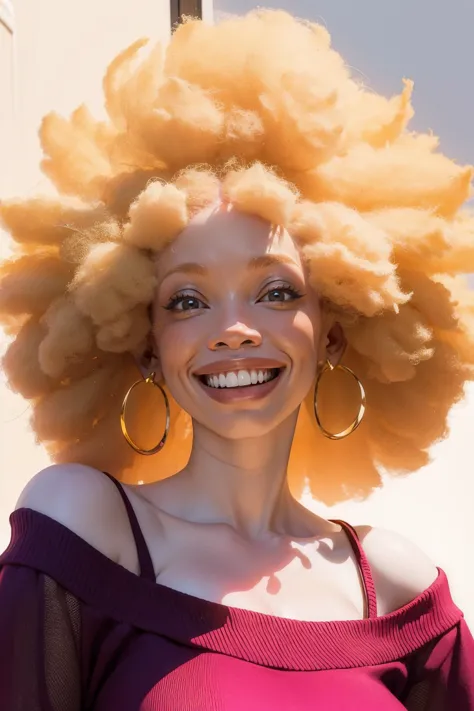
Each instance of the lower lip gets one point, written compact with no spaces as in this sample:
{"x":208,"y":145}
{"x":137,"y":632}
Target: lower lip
{"x":240,"y":394}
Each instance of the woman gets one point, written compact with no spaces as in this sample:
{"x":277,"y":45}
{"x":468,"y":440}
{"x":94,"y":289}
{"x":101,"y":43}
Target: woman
{"x":252,"y":225}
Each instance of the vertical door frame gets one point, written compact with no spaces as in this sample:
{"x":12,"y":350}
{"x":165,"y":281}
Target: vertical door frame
{"x":178,"y":8}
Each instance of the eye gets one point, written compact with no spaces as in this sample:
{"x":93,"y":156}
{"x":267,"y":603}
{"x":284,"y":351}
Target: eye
{"x":280,"y":293}
{"x":184,"y":302}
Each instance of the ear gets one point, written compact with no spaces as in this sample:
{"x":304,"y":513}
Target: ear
{"x":333,"y":345}
{"x":147,"y":360}
{"x":336,"y":344}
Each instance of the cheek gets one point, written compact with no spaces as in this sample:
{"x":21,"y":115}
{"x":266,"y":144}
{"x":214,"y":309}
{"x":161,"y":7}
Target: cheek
{"x":303,"y":333}
{"x":174,"y":342}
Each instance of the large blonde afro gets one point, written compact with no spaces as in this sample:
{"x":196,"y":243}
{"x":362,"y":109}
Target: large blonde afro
{"x":262,"y":112}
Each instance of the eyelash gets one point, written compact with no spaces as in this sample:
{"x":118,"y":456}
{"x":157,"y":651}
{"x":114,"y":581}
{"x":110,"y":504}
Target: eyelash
{"x":285,"y":288}
{"x":282,"y":286}
{"x":180,"y":296}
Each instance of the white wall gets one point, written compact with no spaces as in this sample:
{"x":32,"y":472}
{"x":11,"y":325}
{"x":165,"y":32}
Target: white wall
{"x":207,"y":10}
{"x":7,"y":94}
{"x":60,"y":50}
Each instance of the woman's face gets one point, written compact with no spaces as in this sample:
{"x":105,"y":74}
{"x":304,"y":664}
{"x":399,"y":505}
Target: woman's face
{"x":237,"y":327}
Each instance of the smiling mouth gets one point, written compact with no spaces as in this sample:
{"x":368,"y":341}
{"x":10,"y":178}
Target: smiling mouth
{"x":240,"y":378}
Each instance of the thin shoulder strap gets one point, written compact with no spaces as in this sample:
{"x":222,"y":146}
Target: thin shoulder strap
{"x":364,"y":567}
{"x":147,"y":569}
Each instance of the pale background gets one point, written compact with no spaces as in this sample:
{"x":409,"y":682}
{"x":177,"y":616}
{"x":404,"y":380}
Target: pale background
{"x":54,"y":59}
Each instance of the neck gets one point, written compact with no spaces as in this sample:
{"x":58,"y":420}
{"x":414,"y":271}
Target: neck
{"x":241,"y":483}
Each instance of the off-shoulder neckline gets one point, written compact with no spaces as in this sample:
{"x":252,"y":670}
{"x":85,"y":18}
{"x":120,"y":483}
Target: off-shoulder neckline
{"x":41,"y":543}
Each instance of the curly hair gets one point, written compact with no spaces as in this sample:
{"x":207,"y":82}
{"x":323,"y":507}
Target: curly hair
{"x":259,"y":111}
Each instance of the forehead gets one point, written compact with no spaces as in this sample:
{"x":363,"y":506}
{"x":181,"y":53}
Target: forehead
{"x":223,"y":237}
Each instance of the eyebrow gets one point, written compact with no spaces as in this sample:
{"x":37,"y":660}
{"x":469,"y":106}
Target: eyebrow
{"x":266,"y":260}
{"x":188,"y":268}
{"x":271,"y":260}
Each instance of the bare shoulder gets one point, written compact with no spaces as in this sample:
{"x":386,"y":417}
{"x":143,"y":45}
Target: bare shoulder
{"x":400,"y":569}
{"x":81,"y":498}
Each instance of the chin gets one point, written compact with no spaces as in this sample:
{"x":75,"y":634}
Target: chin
{"x":248,"y":425}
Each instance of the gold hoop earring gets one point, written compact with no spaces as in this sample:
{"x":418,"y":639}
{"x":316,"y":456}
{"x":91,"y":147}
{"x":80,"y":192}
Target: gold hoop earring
{"x":161,"y":443}
{"x":360,"y":415}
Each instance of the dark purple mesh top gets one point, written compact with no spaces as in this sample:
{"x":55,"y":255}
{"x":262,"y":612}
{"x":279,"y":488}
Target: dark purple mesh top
{"x":79,"y":632}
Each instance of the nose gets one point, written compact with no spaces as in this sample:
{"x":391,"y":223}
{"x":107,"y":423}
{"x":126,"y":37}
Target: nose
{"x":238,"y":335}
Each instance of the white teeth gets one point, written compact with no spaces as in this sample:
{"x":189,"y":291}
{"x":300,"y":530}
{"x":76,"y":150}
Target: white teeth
{"x":231,"y":380}
{"x":243,"y":378}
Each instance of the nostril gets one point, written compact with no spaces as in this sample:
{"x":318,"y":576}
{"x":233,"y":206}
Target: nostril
{"x":235,"y":341}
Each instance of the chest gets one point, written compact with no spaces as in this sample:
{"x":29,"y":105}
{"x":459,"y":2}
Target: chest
{"x":311,"y":580}
{"x":204,"y":681}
